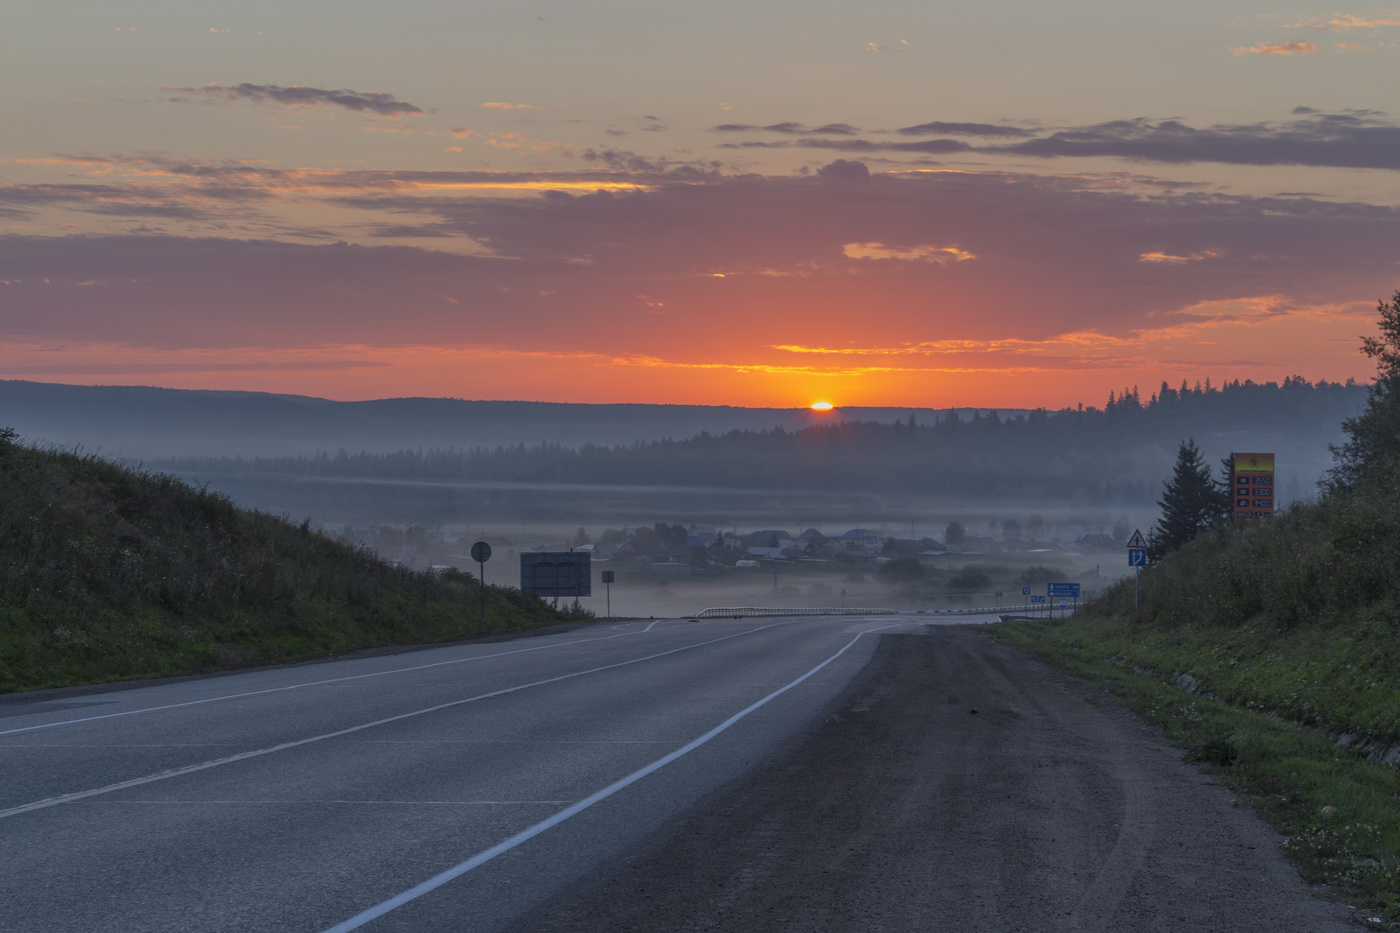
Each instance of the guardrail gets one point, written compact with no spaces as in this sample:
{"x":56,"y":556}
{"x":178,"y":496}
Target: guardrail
{"x":737,"y":612}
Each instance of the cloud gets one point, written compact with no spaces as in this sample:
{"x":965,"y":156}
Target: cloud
{"x":962,"y":129}
{"x":374,"y":102}
{"x":1344,"y":22}
{"x":921,"y":253}
{"x":1291,"y":47}
{"x":884,"y":262}
{"x":499,"y":105}
{"x":899,"y":46}
{"x":845,"y":172}
{"x":1348,"y":139}
{"x":830,"y":129}
{"x":1172,"y":258}
{"x":1345,"y":139}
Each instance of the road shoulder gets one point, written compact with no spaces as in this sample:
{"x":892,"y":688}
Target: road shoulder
{"x":954,"y":785}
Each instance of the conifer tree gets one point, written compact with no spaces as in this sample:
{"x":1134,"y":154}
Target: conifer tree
{"x":1373,"y":437}
{"x":1190,"y":502}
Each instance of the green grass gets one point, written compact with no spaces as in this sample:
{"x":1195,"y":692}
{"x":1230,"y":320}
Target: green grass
{"x":1271,"y":653}
{"x":110,"y":574}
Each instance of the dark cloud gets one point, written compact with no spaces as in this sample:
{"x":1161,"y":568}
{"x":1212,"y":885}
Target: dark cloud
{"x":375,"y":102}
{"x":962,"y":129}
{"x":1346,"y":139}
{"x":791,"y":129}
{"x":124,"y":201}
{"x":845,"y":172}
{"x":927,"y":147}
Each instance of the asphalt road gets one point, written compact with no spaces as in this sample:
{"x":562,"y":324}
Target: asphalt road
{"x":901,"y":809}
{"x":452,"y":789}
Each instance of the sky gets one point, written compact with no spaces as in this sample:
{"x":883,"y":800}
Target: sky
{"x":1002,"y":204}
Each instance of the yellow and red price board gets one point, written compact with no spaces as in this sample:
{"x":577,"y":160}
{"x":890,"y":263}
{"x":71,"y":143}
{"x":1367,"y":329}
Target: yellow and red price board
{"x":1253,"y":487}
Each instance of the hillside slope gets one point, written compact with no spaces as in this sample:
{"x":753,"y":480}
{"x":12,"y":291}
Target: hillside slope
{"x":1272,"y":652}
{"x":109,"y":574}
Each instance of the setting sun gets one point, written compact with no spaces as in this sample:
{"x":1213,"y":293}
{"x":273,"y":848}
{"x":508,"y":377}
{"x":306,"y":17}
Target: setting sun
{"x":821,"y":406}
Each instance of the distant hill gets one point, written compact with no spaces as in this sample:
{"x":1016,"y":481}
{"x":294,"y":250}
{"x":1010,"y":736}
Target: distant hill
{"x":1115,"y":455}
{"x":146,"y":423}
{"x":109,"y":574}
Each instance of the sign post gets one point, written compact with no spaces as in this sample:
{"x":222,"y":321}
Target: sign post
{"x":1026,"y":592}
{"x":481,"y":553}
{"x":1137,"y":559}
{"x":1062,"y":592}
{"x":608,"y":577}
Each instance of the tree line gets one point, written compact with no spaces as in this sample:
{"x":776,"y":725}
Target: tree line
{"x":1085,"y":454}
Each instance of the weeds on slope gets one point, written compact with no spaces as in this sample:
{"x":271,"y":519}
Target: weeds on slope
{"x":111,"y":574}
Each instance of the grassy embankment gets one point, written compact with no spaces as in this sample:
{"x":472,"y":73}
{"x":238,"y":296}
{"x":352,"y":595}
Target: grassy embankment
{"x":108,"y":574}
{"x":1272,"y":654}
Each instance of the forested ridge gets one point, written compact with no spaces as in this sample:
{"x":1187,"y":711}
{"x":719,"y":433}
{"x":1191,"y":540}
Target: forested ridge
{"x":1090,"y":453}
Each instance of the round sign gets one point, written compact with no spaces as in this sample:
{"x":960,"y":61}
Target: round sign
{"x":481,"y":552}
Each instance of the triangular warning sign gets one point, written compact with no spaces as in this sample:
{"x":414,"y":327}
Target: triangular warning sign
{"x":1137,"y":540}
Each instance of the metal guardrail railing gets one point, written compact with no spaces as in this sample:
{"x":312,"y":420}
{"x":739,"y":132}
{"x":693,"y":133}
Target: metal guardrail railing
{"x":735,"y":612}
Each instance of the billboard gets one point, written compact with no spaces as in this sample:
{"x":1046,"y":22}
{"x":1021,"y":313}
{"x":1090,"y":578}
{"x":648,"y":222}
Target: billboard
{"x":557,"y":573}
{"x":1252,"y":492}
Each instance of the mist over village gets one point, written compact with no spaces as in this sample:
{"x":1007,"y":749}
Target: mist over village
{"x":608,"y":466}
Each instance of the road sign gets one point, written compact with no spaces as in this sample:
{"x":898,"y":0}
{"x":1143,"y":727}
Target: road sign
{"x":1037,"y":599}
{"x":481,"y":553}
{"x":1137,"y":557}
{"x":556,"y":573}
{"x":1137,"y":541}
{"x":609,"y":576}
{"x":1064,"y":603}
{"x":1066,"y":590}
{"x":1025,"y":591}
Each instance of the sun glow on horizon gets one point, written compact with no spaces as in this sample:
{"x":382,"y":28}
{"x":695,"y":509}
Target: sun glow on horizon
{"x":822,"y":406}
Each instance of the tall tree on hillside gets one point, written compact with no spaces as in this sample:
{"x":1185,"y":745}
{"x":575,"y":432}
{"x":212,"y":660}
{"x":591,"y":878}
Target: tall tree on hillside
{"x":1190,"y":502}
{"x":1373,"y":437}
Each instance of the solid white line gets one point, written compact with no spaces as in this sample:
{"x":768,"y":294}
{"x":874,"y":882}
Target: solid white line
{"x":258,"y":753}
{"x":318,"y":683}
{"x":482,"y":858}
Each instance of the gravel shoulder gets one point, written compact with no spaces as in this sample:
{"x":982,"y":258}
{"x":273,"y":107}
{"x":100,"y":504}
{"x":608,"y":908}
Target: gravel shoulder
{"x":957,"y":785}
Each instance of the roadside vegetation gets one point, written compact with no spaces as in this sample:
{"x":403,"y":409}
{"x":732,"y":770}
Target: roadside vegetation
{"x":1271,"y":652}
{"x":109,"y":574}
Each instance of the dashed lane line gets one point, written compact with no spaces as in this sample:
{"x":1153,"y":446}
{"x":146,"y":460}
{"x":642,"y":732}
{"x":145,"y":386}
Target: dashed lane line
{"x":321,"y":683}
{"x":284,"y":746}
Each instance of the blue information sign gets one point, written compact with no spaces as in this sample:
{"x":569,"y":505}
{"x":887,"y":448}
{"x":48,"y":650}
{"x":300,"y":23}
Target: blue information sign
{"x":1063,"y":590}
{"x":1025,"y":591}
{"x":1037,"y":599}
{"x":1137,"y":557}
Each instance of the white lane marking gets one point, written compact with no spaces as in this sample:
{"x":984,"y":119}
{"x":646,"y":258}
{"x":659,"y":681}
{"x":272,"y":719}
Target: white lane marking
{"x":258,"y":753}
{"x":481,"y":858}
{"x":317,"y":683}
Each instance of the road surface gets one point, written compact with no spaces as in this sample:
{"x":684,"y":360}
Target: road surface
{"x":749,"y":775}
{"x":299,"y":799}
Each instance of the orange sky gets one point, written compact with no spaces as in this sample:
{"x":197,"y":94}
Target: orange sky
{"x":641,"y":205}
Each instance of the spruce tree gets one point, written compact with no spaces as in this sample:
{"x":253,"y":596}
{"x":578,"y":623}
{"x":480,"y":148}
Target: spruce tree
{"x":1373,"y":437}
{"x":1190,"y":502}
